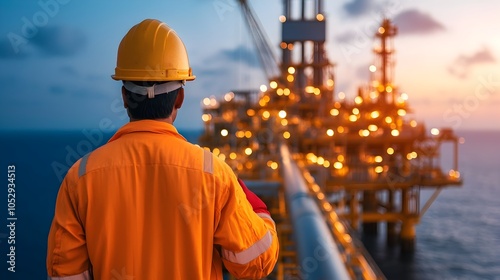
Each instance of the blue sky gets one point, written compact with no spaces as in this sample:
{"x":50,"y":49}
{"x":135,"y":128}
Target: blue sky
{"x":56,"y":56}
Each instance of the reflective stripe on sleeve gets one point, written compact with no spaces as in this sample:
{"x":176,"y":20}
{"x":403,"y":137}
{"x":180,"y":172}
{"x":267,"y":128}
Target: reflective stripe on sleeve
{"x":266,"y":216}
{"x":208,"y":165}
{"x":83,"y":165}
{"x":82,"y":276}
{"x":251,"y":253}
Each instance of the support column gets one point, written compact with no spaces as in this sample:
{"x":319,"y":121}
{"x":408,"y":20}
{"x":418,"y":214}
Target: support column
{"x":370,"y":206}
{"x":392,"y":231}
{"x":408,"y":236}
{"x":408,"y":232}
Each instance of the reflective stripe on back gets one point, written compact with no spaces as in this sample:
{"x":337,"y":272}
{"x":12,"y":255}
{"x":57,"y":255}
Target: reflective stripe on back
{"x":208,"y":164}
{"x":83,"y":165}
{"x":251,"y":253}
{"x":82,"y":276}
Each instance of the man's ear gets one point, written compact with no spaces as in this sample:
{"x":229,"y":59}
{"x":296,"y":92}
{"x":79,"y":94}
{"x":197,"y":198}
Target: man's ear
{"x":180,"y":99}
{"x":125,"y":104}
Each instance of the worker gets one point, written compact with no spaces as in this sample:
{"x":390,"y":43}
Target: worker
{"x":149,"y":204}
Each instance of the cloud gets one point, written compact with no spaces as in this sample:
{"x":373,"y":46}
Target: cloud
{"x":460,"y":67}
{"x":48,"y":41}
{"x":360,"y":7}
{"x":416,"y":22}
{"x":240,"y":54}
{"x":59,"y":40}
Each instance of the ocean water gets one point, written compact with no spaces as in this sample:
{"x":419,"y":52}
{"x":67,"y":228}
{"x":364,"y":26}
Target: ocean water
{"x":458,"y":238}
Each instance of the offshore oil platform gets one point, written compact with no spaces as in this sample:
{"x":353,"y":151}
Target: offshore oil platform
{"x":328,"y":167}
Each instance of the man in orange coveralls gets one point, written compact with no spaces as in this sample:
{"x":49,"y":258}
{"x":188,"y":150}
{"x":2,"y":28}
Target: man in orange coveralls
{"x":149,"y":204}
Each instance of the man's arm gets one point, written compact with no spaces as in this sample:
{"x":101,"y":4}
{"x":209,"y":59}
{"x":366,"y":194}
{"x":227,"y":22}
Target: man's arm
{"x":247,"y":234}
{"x":67,"y":256}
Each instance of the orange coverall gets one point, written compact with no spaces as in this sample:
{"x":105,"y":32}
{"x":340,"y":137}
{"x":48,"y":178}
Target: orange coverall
{"x":150,"y":205}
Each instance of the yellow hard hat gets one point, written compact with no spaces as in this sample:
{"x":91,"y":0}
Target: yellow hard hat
{"x":152,"y":51}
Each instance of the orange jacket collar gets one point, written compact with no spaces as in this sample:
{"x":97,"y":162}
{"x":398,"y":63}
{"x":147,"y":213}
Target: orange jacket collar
{"x":151,"y":126}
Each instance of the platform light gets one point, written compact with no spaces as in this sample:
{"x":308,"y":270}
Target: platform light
{"x":373,"y":94}
{"x":413,"y":123}
{"x":309,"y":156}
{"x":321,"y":160}
{"x":263,"y":88}
{"x":320,"y":17}
{"x":340,"y":158}
{"x":232,"y":155}
{"x":316,"y":91}
{"x":388,"y":119}
{"x":372,"y":127}
{"x":240,"y":134}
{"x":390,"y":151}
{"x":216,"y":151}
{"x":378,"y":159}
{"x":341,"y":95}
{"x":334,"y":112}
{"x":340,"y":129}
{"x":251,"y":112}
{"x":290,"y":46}
{"x":388,"y":89}
{"x":248,"y":134}
{"x":224,"y":132}
{"x":213,"y":101}
{"x":266,"y":115}
{"x":222,"y":157}
{"x":381,"y":30}
{"x":353,"y":118}
{"x":279,"y":91}
{"x":248,"y":151}
{"x":291,"y":70}
{"x":395,"y":132}
{"x":284,"y":122}
{"x":454,"y":174}
{"x":374,"y":114}
{"x":364,"y":133}
{"x":248,"y":165}
{"x":282,"y":18}
{"x":355,"y":111}
{"x":330,"y":82}
{"x":404,"y":96}
{"x":338,"y":165}
{"x":283,"y":45}
{"x":326,"y":164}
{"x":330,"y":132}
{"x":286,"y":135}
{"x":229,"y":96}
{"x":379,"y":169}
{"x":206,"y":101}
{"x":206,"y":117}
{"x":372,"y":68}
{"x":309,"y":89}
{"x":358,"y":99}
{"x":286,"y":91}
{"x":401,"y":112}
{"x":273,"y":84}
{"x":274,"y":165}
{"x":290,"y":78}
{"x":435,"y":131}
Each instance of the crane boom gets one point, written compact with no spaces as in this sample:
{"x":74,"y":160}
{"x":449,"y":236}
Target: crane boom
{"x":268,"y":60}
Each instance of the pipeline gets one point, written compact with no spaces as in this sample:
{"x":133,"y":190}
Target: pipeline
{"x":319,"y":257}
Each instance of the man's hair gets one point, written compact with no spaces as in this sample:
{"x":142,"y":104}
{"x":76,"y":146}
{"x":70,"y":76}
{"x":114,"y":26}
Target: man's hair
{"x":140,"y":107}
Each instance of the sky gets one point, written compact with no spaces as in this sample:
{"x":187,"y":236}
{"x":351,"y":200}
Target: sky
{"x":57,"y":56}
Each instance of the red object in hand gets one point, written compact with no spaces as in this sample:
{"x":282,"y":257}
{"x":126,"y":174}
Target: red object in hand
{"x":257,"y":204}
